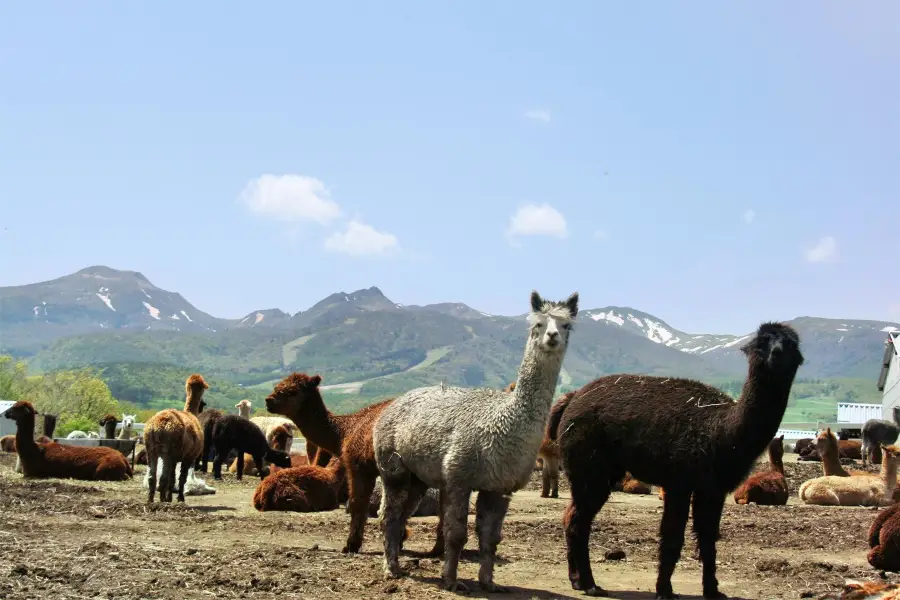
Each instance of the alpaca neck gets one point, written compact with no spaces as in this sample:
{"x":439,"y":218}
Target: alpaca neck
{"x":25,"y":435}
{"x":318,"y":425}
{"x":125,"y":434}
{"x":888,"y":471}
{"x":775,"y":463}
{"x":535,"y":385}
{"x":831,"y":464}
{"x":755,"y":418}
{"x":192,"y":402}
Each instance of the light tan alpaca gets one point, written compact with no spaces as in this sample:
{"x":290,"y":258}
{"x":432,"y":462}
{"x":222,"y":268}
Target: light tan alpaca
{"x":826,"y":444}
{"x":859,"y":490}
{"x":244,"y":407}
{"x":175,"y":436}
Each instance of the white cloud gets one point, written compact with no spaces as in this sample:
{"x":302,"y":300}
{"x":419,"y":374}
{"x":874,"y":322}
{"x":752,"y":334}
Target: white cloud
{"x":290,"y":198}
{"x":537,"y":219}
{"x":824,"y":250}
{"x":749,"y":216}
{"x":360,"y":239}
{"x":538,"y":114}
{"x":600,"y":234}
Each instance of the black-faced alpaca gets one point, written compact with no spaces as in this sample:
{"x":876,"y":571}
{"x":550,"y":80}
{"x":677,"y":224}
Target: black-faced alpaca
{"x":766,"y":487}
{"x":683,"y":435}
{"x":208,"y":418}
{"x":236,"y":432}
{"x":108,"y":423}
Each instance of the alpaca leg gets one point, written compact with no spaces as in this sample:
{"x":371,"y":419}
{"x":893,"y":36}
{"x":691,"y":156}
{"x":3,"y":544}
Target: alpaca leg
{"x":671,"y":532}
{"x":456,"y":513}
{"x":554,"y":477}
{"x":240,"y":465}
{"x":394,"y":494}
{"x":151,"y":476}
{"x":165,"y":481}
{"x":588,"y":497}
{"x":361,"y":483}
{"x":707,"y":516}
{"x":545,"y":479}
{"x":438,"y":549}
{"x":182,"y":480}
{"x":221,"y":453}
{"x":490,"y":510}
{"x":865,"y":452}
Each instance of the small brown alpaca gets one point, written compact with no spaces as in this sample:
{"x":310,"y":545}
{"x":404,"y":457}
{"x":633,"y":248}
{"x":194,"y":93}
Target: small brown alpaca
{"x":175,"y":436}
{"x":301,"y":489}
{"x":630,"y":485}
{"x":8,"y":443}
{"x":766,"y":487}
{"x":884,"y":540}
{"x":828,"y":447}
{"x":297,"y":397}
{"x":92,"y":463}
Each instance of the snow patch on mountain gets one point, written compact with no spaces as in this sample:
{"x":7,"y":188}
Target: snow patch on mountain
{"x":154,"y":312}
{"x":103,"y":294}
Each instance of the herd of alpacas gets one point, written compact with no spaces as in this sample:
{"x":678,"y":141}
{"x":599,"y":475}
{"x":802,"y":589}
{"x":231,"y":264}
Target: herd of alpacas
{"x":427,"y":451}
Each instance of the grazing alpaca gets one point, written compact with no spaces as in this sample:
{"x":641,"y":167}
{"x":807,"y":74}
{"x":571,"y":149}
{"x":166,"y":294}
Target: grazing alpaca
{"x":767,"y":487}
{"x":346,"y":436}
{"x":244,"y":408}
{"x":459,"y":440}
{"x":268,"y":424}
{"x":127,"y":427}
{"x":235,"y":432}
{"x":869,"y":590}
{"x":301,"y":489}
{"x":877,"y":433}
{"x":860,"y":490}
{"x":174,"y":436}
{"x":683,"y":435}
{"x":549,"y":450}
{"x":280,"y":437}
{"x":55,"y":460}
{"x":8,"y":443}
{"x":208,"y":419}
{"x":884,"y":540}
{"x":108,"y":423}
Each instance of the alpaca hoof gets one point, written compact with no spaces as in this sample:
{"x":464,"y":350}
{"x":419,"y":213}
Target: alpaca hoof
{"x":554,"y":495}
{"x":456,"y":586}
{"x":436,"y":552}
{"x":597,"y":592}
{"x":348,"y":549}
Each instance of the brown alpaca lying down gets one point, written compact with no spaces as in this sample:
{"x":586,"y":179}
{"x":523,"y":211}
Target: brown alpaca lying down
{"x":8,"y":443}
{"x":630,"y":485}
{"x":884,"y":540}
{"x":766,"y":487}
{"x":869,"y":590}
{"x":301,"y":489}
{"x":56,"y":460}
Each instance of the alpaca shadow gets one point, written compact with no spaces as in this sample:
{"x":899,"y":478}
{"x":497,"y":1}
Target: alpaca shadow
{"x":514,"y":590}
{"x":208,"y":508}
{"x":467,"y":555}
{"x":631,"y":595}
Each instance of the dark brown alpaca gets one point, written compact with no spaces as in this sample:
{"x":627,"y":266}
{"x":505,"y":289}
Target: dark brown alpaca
{"x":766,"y":487}
{"x":297,"y":397}
{"x":108,"y":423}
{"x":549,"y":451}
{"x":884,"y":540}
{"x":683,"y":435}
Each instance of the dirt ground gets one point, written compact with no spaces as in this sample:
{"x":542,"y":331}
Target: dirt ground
{"x":68,"y":540}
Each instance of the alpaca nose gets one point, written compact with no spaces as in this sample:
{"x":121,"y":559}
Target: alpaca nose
{"x":553,"y":336}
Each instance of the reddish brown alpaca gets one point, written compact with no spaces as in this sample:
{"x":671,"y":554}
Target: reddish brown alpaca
{"x":93,"y":463}
{"x":297,"y":397}
{"x":766,"y":487}
{"x":630,"y":485}
{"x":884,"y":540}
{"x":301,"y":489}
{"x":8,"y":443}
{"x":867,"y":590}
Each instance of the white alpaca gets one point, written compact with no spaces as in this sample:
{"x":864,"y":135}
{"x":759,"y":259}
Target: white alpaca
{"x":76,"y":435}
{"x":127,"y":427}
{"x":244,"y":407}
{"x":194,"y":486}
{"x":268,"y":425}
{"x":93,"y":435}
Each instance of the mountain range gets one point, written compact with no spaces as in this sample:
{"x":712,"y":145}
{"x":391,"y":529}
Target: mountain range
{"x":364,"y":343}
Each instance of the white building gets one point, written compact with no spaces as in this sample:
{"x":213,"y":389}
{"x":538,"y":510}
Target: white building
{"x":889,"y":379}
{"x":7,"y":426}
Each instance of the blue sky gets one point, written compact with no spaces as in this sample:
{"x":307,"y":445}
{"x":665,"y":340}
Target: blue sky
{"x":715,"y":164}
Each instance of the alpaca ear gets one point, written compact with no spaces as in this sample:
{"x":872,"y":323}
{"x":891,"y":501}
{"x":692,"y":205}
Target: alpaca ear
{"x":572,"y":304}
{"x":314,"y":381}
{"x":536,"y":301}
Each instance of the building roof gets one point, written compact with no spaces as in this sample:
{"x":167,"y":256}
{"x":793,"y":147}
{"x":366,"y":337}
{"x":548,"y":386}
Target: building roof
{"x":5,"y":404}
{"x":890,"y":349}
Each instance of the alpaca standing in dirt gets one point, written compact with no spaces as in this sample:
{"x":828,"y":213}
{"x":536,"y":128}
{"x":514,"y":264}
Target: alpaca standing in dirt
{"x":767,"y":487}
{"x":459,"y":440}
{"x":683,"y":435}
{"x":868,"y":489}
{"x":876,"y":433}
{"x":175,"y":436}
{"x":244,"y":407}
{"x":884,"y":540}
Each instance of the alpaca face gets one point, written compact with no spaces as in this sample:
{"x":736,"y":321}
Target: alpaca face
{"x":824,"y":441}
{"x":128,"y":421}
{"x":19,"y":411}
{"x":551,"y":322}
{"x":777,"y":345}
{"x":292,"y":392}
